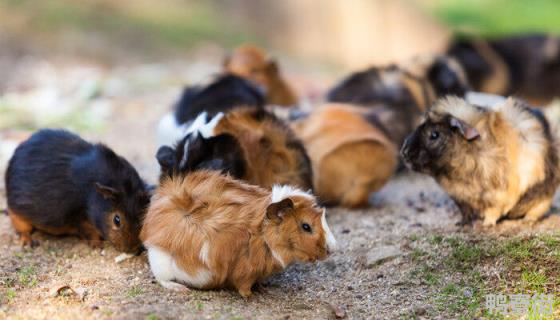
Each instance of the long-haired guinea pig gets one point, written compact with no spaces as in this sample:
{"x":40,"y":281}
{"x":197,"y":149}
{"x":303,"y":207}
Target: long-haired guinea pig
{"x":495,"y":162}
{"x":62,"y":185}
{"x":419,"y":82}
{"x":222,"y":94}
{"x":251,"y":144}
{"x":351,"y":158}
{"x":206,"y":230}
{"x":253,"y":63}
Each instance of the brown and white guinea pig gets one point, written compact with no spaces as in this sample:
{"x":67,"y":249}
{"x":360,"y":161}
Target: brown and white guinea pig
{"x":60,"y":184}
{"x":495,"y":162}
{"x":523,"y":65}
{"x":206,"y":230}
{"x":396,"y":96}
{"x":351,"y":158}
{"x":254,"y":64}
{"x":251,"y":144}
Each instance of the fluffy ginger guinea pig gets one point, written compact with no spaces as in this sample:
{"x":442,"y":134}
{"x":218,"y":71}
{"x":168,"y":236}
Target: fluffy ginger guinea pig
{"x":206,"y":230}
{"x":253,"y":63}
{"x":350,"y":157}
{"x":495,"y":162}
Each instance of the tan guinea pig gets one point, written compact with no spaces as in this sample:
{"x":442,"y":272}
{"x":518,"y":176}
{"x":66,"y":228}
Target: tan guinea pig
{"x":350,"y":157}
{"x":497,"y":161}
{"x":208,"y":230}
{"x":254,"y":64}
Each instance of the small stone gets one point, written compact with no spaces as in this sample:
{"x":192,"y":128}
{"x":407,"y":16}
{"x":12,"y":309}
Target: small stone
{"x":339,"y":311}
{"x":419,"y":311}
{"x":382,"y":254}
{"x":345,"y":231}
{"x":94,"y":307}
{"x":467,"y":293}
{"x":350,"y":288}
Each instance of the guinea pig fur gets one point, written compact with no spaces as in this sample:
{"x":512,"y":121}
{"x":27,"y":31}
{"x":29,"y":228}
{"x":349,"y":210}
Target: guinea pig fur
{"x":419,"y":82}
{"x":206,"y":230}
{"x":224,"y":93}
{"x":266,"y":151}
{"x":60,"y":184}
{"x":253,"y":63}
{"x":351,"y":158}
{"x":496,"y":162}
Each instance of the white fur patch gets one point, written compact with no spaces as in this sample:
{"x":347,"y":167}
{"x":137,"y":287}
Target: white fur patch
{"x":329,"y":237}
{"x":278,"y":258}
{"x":169,"y":131}
{"x":281,"y":192}
{"x":484,"y":99}
{"x":198,"y":123}
{"x":203,"y":126}
{"x":167,"y":272}
{"x":204,"y":252}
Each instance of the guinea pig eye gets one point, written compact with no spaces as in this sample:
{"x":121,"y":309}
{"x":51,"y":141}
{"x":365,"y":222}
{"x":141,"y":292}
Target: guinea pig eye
{"x":306,"y":227}
{"x":434,"y":135}
{"x":117,"y":220}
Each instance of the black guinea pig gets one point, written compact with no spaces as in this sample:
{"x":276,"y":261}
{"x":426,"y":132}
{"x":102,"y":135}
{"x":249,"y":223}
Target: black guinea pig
{"x":225,"y":93}
{"x":60,"y":184}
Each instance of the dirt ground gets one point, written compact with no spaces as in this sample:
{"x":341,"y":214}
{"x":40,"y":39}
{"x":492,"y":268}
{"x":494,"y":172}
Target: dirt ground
{"x":374,"y":275}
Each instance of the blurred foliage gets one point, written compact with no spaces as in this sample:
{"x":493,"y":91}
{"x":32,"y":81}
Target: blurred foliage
{"x":175,"y":23}
{"x":498,"y":17}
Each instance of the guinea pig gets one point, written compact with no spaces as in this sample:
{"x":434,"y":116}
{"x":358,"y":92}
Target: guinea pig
{"x":266,"y":151}
{"x":253,"y":63}
{"x":199,"y":150}
{"x":418,"y":82}
{"x":495,"y":162}
{"x":224,"y":93}
{"x":62,"y":185}
{"x":523,"y":65}
{"x":351,"y":158}
{"x":206,"y":230}
{"x":396,"y":96}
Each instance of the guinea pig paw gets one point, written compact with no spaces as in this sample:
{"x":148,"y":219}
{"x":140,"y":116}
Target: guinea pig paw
{"x":245,"y":293}
{"x":489,"y":223}
{"x":177,"y":287}
{"x":26,"y":240}
{"x":95,"y":244}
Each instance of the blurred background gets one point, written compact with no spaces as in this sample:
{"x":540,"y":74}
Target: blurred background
{"x":99,"y":65}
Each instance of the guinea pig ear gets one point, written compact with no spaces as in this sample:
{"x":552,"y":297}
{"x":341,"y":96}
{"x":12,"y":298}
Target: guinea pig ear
{"x":467,"y":131}
{"x":277,"y":210}
{"x":106,"y":191}
{"x":166,"y":157}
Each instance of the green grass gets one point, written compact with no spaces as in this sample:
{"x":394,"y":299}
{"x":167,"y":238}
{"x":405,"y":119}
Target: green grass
{"x":134,"y":292}
{"x":142,"y":24}
{"x":455,"y":267}
{"x":27,"y":276}
{"x":498,"y":17}
{"x":152,"y":317}
{"x":10,"y":294}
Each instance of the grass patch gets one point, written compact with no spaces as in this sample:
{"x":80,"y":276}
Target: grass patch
{"x":27,"y":276}
{"x":134,"y":292}
{"x":10,"y":294}
{"x":498,"y":17}
{"x":457,"y":268}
